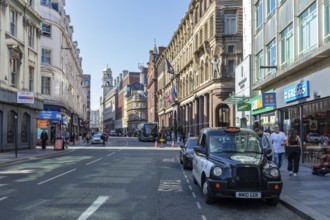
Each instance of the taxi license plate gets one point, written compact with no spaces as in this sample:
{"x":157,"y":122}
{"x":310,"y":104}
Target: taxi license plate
{"x":248,"y":195}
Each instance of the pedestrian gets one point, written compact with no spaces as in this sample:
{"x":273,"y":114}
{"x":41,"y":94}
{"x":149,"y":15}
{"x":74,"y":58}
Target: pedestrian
{"x":44,"y":139}
{"x":278,"y":139}
{"x":293,"y":147}
{"x":265,"y":141}
{"x":73,"y":138}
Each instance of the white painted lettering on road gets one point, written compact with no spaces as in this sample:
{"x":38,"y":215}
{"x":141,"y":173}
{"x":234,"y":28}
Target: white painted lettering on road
{"x":3,"y":198}
{"x":91,"y":209}
{"x":170,"y":185}
{"x":93,"y":161}
{"x":56,"y":177}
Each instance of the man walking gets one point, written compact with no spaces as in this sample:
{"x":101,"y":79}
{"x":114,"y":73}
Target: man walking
{"x":278,"y":138}
{"x":266,"y":143}
{"x":44,"y":138}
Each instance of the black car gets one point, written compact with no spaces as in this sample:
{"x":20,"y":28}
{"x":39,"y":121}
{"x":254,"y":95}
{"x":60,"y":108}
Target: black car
{"x":187,"y":152}
{"x":229,"y":162}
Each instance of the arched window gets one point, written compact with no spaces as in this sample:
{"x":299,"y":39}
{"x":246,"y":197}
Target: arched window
{"x":25,"y":128}
{"x":11,"y":127}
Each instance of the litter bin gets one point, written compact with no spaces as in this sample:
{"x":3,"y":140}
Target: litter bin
{"x":59,"y":144}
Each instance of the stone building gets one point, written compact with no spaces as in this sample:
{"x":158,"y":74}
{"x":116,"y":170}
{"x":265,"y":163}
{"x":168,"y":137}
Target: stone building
{"x":62,"y":82}
{"x":203,"y":52}
{"x":152,"y":85}
{"x":20,"y":87}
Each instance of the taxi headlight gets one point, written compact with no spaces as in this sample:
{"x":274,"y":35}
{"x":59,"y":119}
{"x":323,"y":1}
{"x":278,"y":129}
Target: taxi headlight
{"x":217,"y":171}
{"x":274,"y":172}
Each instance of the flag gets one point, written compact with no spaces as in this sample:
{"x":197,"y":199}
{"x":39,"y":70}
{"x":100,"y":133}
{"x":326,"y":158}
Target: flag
{"x":175,"y":95}
{"x":167,"y":98}
{"x":169,"y":67}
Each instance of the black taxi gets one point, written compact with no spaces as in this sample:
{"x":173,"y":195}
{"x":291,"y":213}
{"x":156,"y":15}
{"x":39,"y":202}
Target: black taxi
{"x":230,"y":163}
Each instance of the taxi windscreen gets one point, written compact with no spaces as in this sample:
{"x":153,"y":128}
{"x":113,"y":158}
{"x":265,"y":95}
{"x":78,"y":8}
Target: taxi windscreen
{"x":234,"y":142}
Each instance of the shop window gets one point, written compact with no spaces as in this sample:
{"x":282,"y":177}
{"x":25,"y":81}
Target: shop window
{"x":223,"y":116}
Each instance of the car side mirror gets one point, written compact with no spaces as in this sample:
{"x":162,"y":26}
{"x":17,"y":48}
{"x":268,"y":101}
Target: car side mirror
{"x":267,"y":150}
{"x":182,"y":146}
{"x":199,"y":150}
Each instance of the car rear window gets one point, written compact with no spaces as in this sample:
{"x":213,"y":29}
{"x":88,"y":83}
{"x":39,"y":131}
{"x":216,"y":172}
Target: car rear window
{"x":234,"y":142}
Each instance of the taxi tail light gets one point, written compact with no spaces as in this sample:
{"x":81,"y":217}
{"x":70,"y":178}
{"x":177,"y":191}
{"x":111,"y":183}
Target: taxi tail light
{"x":217,"y":185}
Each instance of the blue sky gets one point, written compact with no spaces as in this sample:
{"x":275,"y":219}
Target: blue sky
{"x":121,"y":33}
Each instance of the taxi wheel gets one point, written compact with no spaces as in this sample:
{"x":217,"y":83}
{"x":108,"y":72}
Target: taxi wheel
{"x":209,"y":199}
{"x":272,"y":201}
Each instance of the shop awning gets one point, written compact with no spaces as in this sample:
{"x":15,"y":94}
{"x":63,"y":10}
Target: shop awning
{"x":234,"y":99}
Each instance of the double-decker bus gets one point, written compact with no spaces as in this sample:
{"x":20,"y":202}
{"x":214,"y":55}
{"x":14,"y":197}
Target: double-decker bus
{"x":147,"y":131}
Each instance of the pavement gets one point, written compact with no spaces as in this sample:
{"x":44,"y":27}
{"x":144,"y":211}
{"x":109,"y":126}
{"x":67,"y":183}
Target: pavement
{"x":307,"y":195}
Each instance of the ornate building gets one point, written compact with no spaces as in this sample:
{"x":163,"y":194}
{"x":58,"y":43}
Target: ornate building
{"x":203,"y":51}
{"x":20,"y":87}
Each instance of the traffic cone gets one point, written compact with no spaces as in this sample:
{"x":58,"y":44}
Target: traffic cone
{"x":155,"y":144}
{"x":172,"y":143}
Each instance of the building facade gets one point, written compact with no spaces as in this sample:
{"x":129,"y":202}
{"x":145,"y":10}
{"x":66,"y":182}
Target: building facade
{"x":291,"y":60}
{"x":95,"y":121}
{"x":20,"y":86}
{"x":62,"y":83}
{"x":203,"y":51}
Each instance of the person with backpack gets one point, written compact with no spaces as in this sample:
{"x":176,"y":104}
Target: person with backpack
{"x":265,"y":141}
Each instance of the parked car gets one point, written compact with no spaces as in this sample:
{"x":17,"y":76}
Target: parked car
{"x":230,"y":163}
{"x":96,"y":139}
{"x":313,"y":138}
{"x":187,"y":152}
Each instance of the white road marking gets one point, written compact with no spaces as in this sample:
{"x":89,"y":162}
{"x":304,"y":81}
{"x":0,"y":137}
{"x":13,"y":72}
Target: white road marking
{"x":94,"y":161}
{"x":56,"y":177}
{"x":111,"y":154}
{"x":3,"y":198}
{"x":198,"y":205}
{"x":190,"y":187}
{"x":193,"y":194}
{"x":185,"y":176}
{"x":187,"y":181}
{"x":170,"y":185}
{"x":91,"y":209}
{"x":203,"y":217}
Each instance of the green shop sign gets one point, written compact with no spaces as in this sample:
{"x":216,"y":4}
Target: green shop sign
{"x":245,"y":106}
{"x":257,"y":106}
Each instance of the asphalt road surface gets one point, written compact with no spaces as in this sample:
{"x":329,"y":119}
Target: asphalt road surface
{"x":123,"y":180}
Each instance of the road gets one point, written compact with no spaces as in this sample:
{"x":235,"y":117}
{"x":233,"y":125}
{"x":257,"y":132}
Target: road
{"x":124,"y":180}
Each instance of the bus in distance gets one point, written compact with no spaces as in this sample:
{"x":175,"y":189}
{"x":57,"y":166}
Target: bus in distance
{"x":147,"y":131}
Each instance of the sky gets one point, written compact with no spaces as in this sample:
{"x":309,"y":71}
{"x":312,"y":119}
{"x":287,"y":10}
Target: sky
{"x":120,"y":34}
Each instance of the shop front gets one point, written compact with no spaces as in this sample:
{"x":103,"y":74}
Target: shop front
{"x":263,"y":111}
{"x":305,"y":106}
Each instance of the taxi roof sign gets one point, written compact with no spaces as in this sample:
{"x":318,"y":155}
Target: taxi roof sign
{"x":232,"y":129}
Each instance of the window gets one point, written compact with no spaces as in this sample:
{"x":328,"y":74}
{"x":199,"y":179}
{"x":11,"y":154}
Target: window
{"x":231,"y":49}
{"x":30,"y":2}
{"x":13,"y":72}
{"x":259,"y":15}
{"x":31,"y":78}
{"x":287,"y":45}
{"x":31,"y":36}
{"x":259,"y":62}
{"x":45,"y":2}
{"x":45,"y":85}
{"x":327,"y":19}
{"x":230,"y":68}
{"x":11,"y":127}
{"x":308,"y":29}
{"x":271,"y":56}
{"x":13,"y":22}
{"x":271,"y":5}
{"x":45,"y":56}
{"x":46,"y":30}
{"x":211,"y":27}
{"x":230,"y":23}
